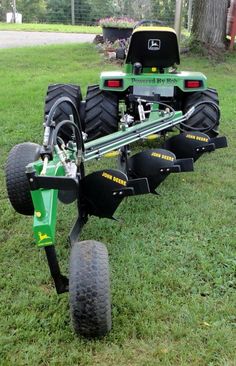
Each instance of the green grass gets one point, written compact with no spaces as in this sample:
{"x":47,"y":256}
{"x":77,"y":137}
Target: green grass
{"x":172,"y":257}
{"x":50,"y":28}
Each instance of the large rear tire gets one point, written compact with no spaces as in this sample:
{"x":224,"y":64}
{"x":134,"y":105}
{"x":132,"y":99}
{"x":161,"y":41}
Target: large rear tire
{"x":16,"y":180}
{"x":89,"y":289}
{"x":205,"y":117}
{"x":64,"y":110}
{"x":101,"y":112}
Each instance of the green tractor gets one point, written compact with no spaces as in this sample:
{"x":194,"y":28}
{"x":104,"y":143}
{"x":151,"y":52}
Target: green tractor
{"x":150,"y":98}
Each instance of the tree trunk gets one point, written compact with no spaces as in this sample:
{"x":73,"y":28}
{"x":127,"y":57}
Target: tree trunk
{"x":190,"y":11}
{"x":209,"y":23}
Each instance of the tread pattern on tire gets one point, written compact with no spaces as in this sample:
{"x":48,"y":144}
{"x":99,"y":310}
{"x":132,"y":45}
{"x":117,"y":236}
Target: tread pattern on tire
{"x":63,"y":112}
{"x":101,"y":112}
{"x":16,"y":180}
{"x":205,"y":116}
{"x":89,"y":289}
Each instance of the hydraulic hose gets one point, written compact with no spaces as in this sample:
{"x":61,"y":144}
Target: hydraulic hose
{"x":78,"y":135}
{"x":49,"y":137}
{"x":193,"y":109}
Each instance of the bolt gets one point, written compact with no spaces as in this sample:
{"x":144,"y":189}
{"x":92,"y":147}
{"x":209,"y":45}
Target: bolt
{"x":31,"y":179}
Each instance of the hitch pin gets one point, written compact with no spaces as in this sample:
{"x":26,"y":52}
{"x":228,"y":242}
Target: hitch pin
{"x":141,"y":110}
{"x":45,"y":165}
{"x":46,"y":136}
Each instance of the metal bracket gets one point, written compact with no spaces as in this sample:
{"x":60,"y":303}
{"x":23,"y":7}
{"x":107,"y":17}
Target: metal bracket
{"x":46,"y":182}
{"x":205,"y":148}
{"x":61,"y":282}
{"x":219,"y":142}
{"x":76,"y":229}
{"x":123,"y":192}
{"x":140,"y":186}
{"x":170,"y":169}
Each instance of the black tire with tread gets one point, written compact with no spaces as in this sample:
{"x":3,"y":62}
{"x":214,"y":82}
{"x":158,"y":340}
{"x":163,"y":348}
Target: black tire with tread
{"x":205,"y":115}
{"x":16,"y":180}
{"x":64,"y":110}
{"x":89,"y":289}
{"x":101,"y":112}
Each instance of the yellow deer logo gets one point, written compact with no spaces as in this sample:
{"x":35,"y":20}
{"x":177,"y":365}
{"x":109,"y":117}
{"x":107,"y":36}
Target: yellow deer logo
{"x":43,"y":236}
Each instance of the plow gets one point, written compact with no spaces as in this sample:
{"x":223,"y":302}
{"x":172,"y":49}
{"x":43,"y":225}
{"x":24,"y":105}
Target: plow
{"x":150,"y":99}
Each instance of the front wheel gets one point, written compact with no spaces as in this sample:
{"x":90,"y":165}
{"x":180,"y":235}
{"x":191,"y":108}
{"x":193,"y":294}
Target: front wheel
{"x":89,"y":289}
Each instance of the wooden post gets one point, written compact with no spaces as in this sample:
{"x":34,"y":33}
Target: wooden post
{"x":231,"y":23}
{"x":73,"y":12}
{"x":178,"y":17}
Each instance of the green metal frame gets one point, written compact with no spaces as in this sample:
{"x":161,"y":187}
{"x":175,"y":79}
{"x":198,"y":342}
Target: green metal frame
{"x":45,"y":204}
{"x":45,"y":200}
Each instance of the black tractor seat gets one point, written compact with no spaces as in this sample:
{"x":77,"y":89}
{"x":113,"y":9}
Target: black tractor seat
{"x":153,"y":47}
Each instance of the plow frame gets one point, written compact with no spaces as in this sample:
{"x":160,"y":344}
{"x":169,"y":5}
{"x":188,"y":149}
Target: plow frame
{"x":47,"y":177}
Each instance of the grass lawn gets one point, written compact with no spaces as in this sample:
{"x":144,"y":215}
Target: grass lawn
{"x":172,"y":257}
{"x":51,"y":28}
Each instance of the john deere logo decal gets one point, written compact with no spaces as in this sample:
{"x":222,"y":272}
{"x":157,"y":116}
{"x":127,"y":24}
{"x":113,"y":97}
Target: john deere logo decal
{"x":43,"y":237}
{"x":154,"y":44}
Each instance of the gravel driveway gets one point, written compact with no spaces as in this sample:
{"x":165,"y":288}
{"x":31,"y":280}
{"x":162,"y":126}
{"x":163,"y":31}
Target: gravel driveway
{"x":11,"y":39}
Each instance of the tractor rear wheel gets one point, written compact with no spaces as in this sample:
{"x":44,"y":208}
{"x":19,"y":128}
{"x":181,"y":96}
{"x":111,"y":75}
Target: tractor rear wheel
{"x":89,"y":289}
{"x":205,"y":117}
{"x":16,"y":180}
{"x":101,"y":112}
{"x":64,"y":110}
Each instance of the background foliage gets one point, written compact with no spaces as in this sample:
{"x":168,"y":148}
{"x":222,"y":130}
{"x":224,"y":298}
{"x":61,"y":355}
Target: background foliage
{"x":89,"y":11}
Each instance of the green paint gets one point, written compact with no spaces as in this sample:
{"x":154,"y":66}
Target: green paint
{"x":156,"y":123}
{"x":45,"y":200}
{"x":152,"y":79}
{"x":45,"y":205}
{"x":44,"y":226}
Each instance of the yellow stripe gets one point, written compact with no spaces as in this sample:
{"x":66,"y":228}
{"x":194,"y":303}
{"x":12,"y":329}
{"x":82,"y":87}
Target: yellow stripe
{"x":155,"y":29}
{"x":112,"y":154}
{"x":152,"y":137}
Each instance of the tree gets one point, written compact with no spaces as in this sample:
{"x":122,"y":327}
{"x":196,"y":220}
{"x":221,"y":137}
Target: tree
{"x":32,"y":10}
{"x":5,"y":7}
{"x":209,"y":24}
{"x":93,"y":10}
{"x":58,"y":11}
{"x":141,"y":9}
{"x":84,"y":11}
{"x":164,"y":10}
